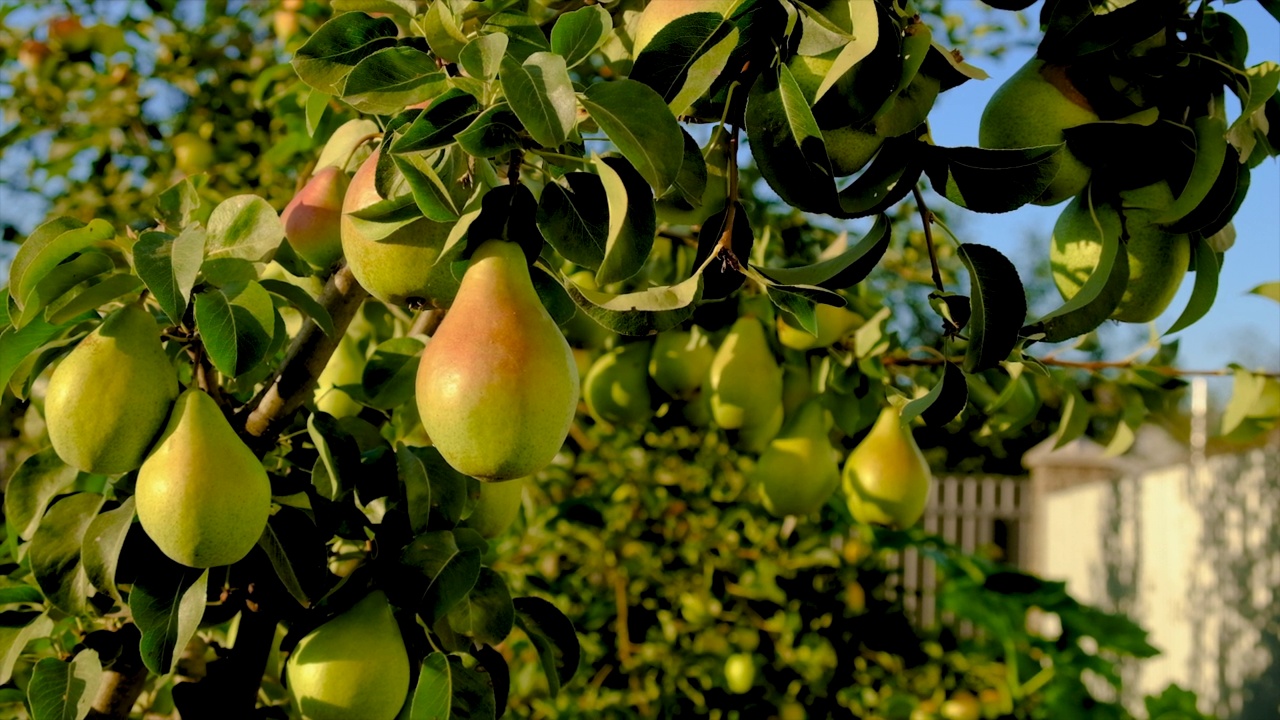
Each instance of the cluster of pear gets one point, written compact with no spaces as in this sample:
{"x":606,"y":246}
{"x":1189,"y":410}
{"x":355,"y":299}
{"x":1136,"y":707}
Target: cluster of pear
{"x":202,"y":495}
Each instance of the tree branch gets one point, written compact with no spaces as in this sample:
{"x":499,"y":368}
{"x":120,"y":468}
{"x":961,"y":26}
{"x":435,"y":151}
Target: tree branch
{"x":926,"y":219}
{"x":1090,"y":365}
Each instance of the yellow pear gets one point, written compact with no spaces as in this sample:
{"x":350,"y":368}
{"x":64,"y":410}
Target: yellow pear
{"x":740,"y":673}
{"x":886,"y":478}
{"x":797,"y":472}
{"x":746,"y":385}
{"x":1033,"y":108}
{"x":312,"y":219}
{"x":497,"y":507}
{"x":402,"y":268}
{"x":680,"y":361}
{"x":345,"y":367}
{"x":202,"y":495}
{"x":497,"y":387}
{"x":834,"y":323}
{"x":1158,"y":259}
{"x":108,"y":399}
{"x":616,"y":387}
{"x":354,"y":667}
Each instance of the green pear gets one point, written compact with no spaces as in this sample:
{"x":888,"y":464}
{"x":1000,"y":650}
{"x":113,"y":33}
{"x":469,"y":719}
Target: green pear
{"x":746,"y":385}
{"x":192,"y":154}
{"x":1158,"y":259}
{"x":797,"y":387}
{"x":886,"y":478}
{"x":680,"y":361}
{"x":313,"y":218}
{"x":714,"y":193}
{"x":401,"y":268}
{"x":797,"y":472}
{"x":497,"y":386}
{"x":345,"y":367}
{"x":909,"y":107}
{"x":497,"y":507}
{"x":202,"y":495}
{"x":354,"y":667}
{"x":1033,"y":108}
{"x":108,"y":399}
{"x":834,"y":323}
{"x":616,"y":387}
{"x":851,"y":148}
{"x":740,"y":673}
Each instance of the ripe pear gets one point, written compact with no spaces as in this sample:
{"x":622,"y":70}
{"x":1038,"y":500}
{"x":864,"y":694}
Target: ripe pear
{"x":797,"y":472}
{"x":497,"y":508}
{"x":313,"y":218}
{"x":616,"y":387}
{"x":345,"y":367}
{"x":1032,"y":108}
{"x":108,"y":399}
{"x":834,"y":323}
{"x":746,"y":385}
{"x":886,"y":478}
{"x":202,"y":495}
{"x":680,"y":361}
{"x":1158,"y":259}
{"x":401,"y":268}
{"x":497,"y":387}
{"x":354,"y":667}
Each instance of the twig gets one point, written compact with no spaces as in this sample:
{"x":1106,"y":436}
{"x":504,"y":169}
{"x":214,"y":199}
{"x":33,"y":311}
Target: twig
{"x":926,"y":219}
{"x":513,"y":167}
{"x":426,"y":322}
{"x":1091,"y":365}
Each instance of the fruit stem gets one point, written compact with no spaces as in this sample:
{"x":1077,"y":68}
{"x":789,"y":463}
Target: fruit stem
{"x":926,"y":219}
{"x":731,"y":206}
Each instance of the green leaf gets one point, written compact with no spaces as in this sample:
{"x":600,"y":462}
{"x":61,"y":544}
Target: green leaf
{"x":799,"y":301}
{"x":482,"y":56}
{"x":389,"y":374}
{"x":577,"y":34}
{"x":169,"y":266}
{"x":328,"y":56}
{"x":553,"y":636}
{"x":21,"y":595}
{"x":435,"y":127}
{"x":1075,"y":418}
{"x":553,"y":296}
{"x":295,"y":548}
{"x":237,"y":324}
{"x":337,"y":452}
{"x":992,"y":181}
{"x":55,"y":552}
{"x":37,"y":481}
{"x":391,"y":78}
{"x":640,"y":313}
{"x":1261,"y":83}
{"x":429,"y":191}
{"x":540,"y":93}
{"x":1205,"y":289}
{"x":181,"y":205}
{"x":167,"y":602}
{"x":317,"y":103}
{"x":73,"y":306}
{"x":243,"y":226}
{"x":691,"y":183}
{"x":686,"y":57}
{"x":894,"y":171}
{"x":46,"y":247}
{"x":1094,"y":302}
{"x":998,"y":303}
{"x":473,"y":696}
{"x":29,"y":370}
{"x":14,"y":638}
{"x":404,"y":8}
{"x":301,"y":300}
{"x":632,"y":220}
{"x":60,"y":281}
{"x":16,"y":345}
{"x":450,"y":570}
{"x":786,"y":143}
{"x":65,"y":690}
{"x":943,"y":402}
{"x":1268,"y":290}
{"x":432,"y":698}
{"x":1246,"y":388}
{"x":448,"y":488}
{"x":575,"y":219}
{"x":844,"y":270}
{"x":417,"y":488}
{"x":639,"y":123}
{"x":486,"y":613}
{"x":440,"y":26}
{"x":525,"y":36}
{"x":103,"y":541}
{"x":866,"y":25}
{"x":492,"y":133}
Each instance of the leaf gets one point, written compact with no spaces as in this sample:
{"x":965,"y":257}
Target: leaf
{"x":448,"y":114}
{"x":337,"y":451}
{"x":1075,"y":418}
{"x":301,"y":300}
{"x":92,"y":297}
{"x":844,"y":270}
{"x":16,"y":345}
{"x":540,"y":93}
{"x":553,"y":636}
{"x":482,"y":56}
{"x":492,"y":133}
{"x":894,"y":171}
{"x":577,"y":34}
{"x":167,"y":602}
{"x":866,"y":27}
{"x":799,"y":300}
{"x":639,"y":123}
{"x":65,"y":690}
{"x":1205,"y":289}
{"x":992,"y":181}
{"x":486,"y":613}
{"x":14,"y":638}
{"x":450,"y":570}
{"x":317,"y":103}
{"x":786,"y":143}
{"x":169,"y":266}
{"x":553,"y":296}
{"x":329,"y":55}
{"x":236,"y":324}
{"x":944,"y":401}
{"x":404,"y":8}
{"x":1262,"y":81}
{"x":391,"y":78}
{"x":433,"y":696}
{"x":429,"y":191}
{"x":100,"y":549}
{"x":55,"y":552}
{"x":473,"y":695}
{"x":1097,"y":298}
{"x":440,"y":26}
{"x":59,"y":281}
{"x":243,"y":226}
{"x":295,"y":548}
{"x":1268,"y":290}
{"x":645,"y":312}
{"x":417,"y":488}
{"x":20,"y":595}
{"x":691,"y":183}
{"x":46,"y":247}
{"x":999,"y":306}
{"x":389,"y":374}
{"x":181,"y":204}
{"x":685,"y":57}
{"x":448,"y":487}
{"x":575,"y":220}
{"x":37,"y":481}
{"x":1246,"y":388}
{"x":525,"y":36}
{"x":633,"y":220}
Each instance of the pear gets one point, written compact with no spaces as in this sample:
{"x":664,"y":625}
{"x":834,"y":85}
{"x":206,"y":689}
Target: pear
{"x":886,"y":478}
{"x":497,"y":386}
{"x":1158,"y":259}
{"x":313,"y":218}
{"x":108,"y":399}
{"x":797,"y":387}
{"x":354,"y":667}
{"x":797,"y":472}
{"x":192,"y":154}
{"x":202,"y":495}
{"x":680,"y":361}
{"x":404,"y":267}
{"x":497,"y":508}
{"x":1032,"y":108}
{"x":746,"y":385}
{"x":740,"y":673}
{"x":850,"y":148}
{"x":834,"y":323}
{"x":616,"y":387}
{"x":345,"y":367}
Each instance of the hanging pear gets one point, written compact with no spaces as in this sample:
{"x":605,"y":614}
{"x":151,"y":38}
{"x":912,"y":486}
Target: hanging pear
{"x":108,"y":399}
{"x":497,"y":387}
{"x":313,"y":218}
{"x":886,"y":478}
{"x":797,"y":472}
{"x":202,"y":495}
{"x":746,"y":385}
{"x":354,"y":667}
{"x":680,"y":361}
{"x":345,"y":367}
{"x":834,"y":323}
{"x":497,"y":507}
{"x":617,"y":386}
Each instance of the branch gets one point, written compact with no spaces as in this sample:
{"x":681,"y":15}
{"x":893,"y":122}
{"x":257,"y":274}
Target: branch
{"x":1090,"y":365}
{"x":926,"y":219}
{"x":122,"y":681}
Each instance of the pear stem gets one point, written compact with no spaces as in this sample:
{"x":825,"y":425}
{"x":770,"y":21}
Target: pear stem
{"x":926,"y":219}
